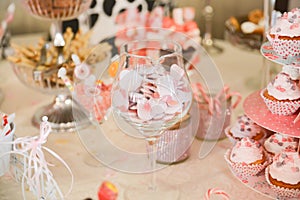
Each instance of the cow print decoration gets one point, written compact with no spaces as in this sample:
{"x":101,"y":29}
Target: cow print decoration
{"x":101,"y":16}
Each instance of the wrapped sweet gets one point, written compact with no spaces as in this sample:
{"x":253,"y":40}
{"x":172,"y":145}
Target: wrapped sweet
{"x":107,"y":191}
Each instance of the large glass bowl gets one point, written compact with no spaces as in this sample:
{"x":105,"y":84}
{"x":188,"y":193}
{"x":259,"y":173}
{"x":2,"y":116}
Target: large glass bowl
{"x":59,"y":112}
{"x":56,"y":9}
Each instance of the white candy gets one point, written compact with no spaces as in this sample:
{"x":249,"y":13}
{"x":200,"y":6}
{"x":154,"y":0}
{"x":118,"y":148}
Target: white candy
{"x":173,"y":109}
{"x":157,"y":110}
{"x":119,"y":100}
{"x":176,"y":72}
{"x":165,"y":86}
{"x":138,"y":86}
{"x":134,"y":96}
{"x":144,"y":110}
{"x":183,"y":96}
{"x":130,"y":80}
{"x":81,"y":71}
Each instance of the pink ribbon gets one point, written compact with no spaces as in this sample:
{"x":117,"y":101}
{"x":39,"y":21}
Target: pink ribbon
{"x":216,"y":191}
{"x":35,"y":167}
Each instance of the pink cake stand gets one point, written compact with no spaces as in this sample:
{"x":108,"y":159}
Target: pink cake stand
{"x":255,"y":108}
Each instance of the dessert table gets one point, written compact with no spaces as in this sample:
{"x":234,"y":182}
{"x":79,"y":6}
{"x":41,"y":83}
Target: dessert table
{"x":240,"y":69}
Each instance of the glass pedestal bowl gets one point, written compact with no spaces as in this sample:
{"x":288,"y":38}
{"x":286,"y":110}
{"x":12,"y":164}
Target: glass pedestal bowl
{"x":59,"y":112}
{"x":56,"y":9}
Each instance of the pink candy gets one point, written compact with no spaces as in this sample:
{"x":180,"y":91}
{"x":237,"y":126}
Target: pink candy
{"x":152,"y":97}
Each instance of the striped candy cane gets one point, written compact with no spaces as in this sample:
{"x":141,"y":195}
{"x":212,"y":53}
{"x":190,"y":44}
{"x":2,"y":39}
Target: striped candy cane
{"x":216,"y":191}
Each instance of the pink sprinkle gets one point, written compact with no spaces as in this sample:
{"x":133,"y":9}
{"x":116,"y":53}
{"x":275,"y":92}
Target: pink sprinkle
{"x":281,"y":89}
{"x":248,"y":144}
{"x":172,"y":102}
{"x":155,"y":95}
{"x":295,"y":169}
{"x":245,"y":181}
{"x":284,"y":16}
{"x":123,"y":93}
{"x":294,"y":26}
{"x":147,"y":106}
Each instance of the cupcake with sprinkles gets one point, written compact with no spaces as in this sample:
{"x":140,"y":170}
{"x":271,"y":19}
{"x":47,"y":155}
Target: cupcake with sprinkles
{"x":247,"y":158}
{"x":284,"y":36}
{"x":282,"y":94}
{"x":245,"y":127}
{"x":278,"y":143}
{"x":283,"y":175}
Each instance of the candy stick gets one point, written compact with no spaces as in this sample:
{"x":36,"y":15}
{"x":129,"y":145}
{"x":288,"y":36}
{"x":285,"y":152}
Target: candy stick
{"x":9,"y":17}
{"x":8,"y":119}
{"x":6,"y":130}
{"x":62,"y":74}
{"x":217,"y":191}
{"x":217,"y":100}
{"x":239,"y":98}
{"x":296,"y":119}
{"x":203,"y":93}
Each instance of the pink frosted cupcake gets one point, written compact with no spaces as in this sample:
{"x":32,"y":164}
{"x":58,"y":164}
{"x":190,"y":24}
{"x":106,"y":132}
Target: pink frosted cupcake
{"x":285,"y":34}
{"x":247,"y":158}
{"x":283,"y":175}
{"x":278,"y":143}
{"x":282,"y":95}
{"x":245,"y":127}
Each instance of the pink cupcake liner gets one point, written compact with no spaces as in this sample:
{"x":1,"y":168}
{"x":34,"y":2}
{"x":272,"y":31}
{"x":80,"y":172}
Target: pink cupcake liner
{"x":244,"y":170}
{"x":280,"y":107}
{"x":281,"y":191}
{"x":285,"y":48}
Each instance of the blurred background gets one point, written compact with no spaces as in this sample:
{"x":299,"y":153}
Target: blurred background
{"x":25,"y":23}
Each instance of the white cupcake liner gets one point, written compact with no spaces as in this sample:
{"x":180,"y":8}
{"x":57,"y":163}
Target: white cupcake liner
{"x":281,"y":191}
{"x":281,"y":107}
{"x":285,"y":48}
{"x":244,"y":170}
{"x":231,"y":139}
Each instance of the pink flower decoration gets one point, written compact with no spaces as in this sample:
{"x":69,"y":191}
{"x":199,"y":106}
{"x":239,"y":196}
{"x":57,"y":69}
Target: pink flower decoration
{"x":295,"y":169}
{"x":294,"y":26}
{"x":281,"y":89}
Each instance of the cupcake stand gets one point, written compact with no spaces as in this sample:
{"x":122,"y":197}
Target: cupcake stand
{"x":255,"y":108}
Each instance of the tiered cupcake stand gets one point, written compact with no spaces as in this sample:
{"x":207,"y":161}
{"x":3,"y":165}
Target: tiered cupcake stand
{"x":255,"y":108}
